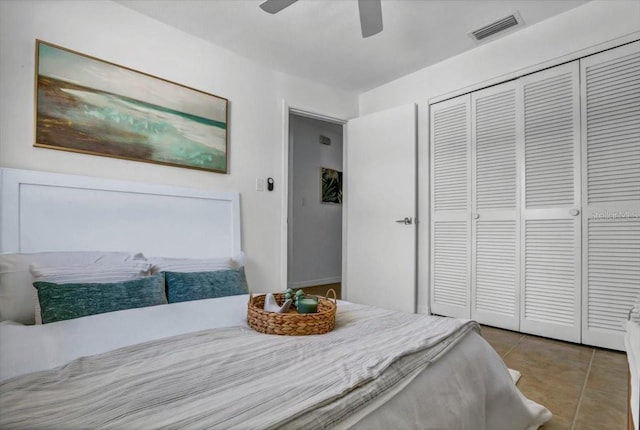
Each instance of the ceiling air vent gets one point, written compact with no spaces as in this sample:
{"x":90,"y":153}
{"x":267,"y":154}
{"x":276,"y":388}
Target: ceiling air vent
{"x":500,"y":25}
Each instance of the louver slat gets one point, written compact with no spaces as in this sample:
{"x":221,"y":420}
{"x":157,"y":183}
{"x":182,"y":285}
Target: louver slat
{"x":550,"y":293}
{"x":450,"y":263}
{"x":609,"y":302}
{"x":495,"y":151}
{"x":549,"y":141}
{"x":496,"y":276}
{"x":451,"y":162}
{"x":612,"y":89}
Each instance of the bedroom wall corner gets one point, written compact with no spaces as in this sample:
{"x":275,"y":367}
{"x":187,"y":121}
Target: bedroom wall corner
{"x":110,"y":31}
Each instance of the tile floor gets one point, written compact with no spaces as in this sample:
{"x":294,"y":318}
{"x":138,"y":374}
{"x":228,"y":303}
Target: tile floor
{"x":584,"y":387}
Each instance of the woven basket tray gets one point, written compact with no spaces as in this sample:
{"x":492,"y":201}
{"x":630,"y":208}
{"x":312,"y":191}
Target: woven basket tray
{"x":292,"y":323}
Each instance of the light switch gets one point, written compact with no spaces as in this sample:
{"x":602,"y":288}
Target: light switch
{"x":259,"y":184}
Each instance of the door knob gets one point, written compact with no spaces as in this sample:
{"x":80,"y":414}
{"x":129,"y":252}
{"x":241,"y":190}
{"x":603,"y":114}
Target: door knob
{"x":405,"y":221}
{"x":574,"y":212}
{"x":476,"y":216}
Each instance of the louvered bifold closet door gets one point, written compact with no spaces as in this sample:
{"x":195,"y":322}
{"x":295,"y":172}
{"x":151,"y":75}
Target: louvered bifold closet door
{"x":550,"y":230}
{"x":611,"y":218}
{"x":496,"y":121}
{"x":450,"y":137}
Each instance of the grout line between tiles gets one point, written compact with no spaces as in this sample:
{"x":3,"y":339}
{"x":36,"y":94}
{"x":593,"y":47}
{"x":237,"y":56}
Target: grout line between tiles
{"x":584,"y":387}
{"x":514,"y":346}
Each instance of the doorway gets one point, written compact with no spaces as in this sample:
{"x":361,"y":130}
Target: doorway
{"x":314,"y":206}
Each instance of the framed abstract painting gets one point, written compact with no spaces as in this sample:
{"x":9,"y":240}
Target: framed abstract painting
{"x":92,"y":106}
{"x":331,"y":191}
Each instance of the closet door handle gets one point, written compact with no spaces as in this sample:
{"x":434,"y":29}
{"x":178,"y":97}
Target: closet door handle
{"x":405,"y":221}
{"x":574,"y":212}
{"x":476,"y":216}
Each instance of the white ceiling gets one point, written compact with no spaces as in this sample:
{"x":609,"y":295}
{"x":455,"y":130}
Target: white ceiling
{"x":320,"y":40}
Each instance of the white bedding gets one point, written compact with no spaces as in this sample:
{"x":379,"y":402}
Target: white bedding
{"x":468,"y":388}
{"x":632,"y":346}
{"x":25,"y":349}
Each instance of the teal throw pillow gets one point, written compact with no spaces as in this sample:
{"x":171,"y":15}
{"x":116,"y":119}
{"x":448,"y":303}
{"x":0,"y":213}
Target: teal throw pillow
{"x":74,"y":300}
{"x":183,"y":287}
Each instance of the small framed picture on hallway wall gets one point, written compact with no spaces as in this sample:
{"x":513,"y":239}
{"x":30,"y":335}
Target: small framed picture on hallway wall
{"x":331,"y":188}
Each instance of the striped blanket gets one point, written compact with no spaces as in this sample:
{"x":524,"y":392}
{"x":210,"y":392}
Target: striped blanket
{"x":233,"y":377}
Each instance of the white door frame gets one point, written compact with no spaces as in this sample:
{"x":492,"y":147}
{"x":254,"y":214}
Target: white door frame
{"x":284,"y":225}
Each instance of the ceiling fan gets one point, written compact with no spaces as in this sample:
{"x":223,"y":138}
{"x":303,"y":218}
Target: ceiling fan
{"x":370,"y":13}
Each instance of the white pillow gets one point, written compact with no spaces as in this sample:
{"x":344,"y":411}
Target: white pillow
{"x":17,"y":298}
{"x":190,"y":265}
{"x":93,"y":273}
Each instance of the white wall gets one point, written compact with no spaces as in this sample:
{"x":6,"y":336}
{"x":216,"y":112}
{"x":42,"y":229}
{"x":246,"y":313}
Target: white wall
{"x":115,"y":33}
{"x":585,"y":29}
{"x":315,"y":251}
{"x":578,"y":29}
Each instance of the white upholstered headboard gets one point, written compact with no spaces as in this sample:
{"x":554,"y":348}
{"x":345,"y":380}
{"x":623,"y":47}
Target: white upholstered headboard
{"x":42,"y":211}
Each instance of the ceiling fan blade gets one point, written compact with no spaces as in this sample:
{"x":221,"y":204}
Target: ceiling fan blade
{"x":275,"y":6}
{"x":370,"y":17}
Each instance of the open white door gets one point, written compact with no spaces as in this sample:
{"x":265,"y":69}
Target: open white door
{"x":380,"y":203}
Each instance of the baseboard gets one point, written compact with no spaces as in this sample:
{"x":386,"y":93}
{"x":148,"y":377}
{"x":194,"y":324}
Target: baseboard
{"x":314,"y":282}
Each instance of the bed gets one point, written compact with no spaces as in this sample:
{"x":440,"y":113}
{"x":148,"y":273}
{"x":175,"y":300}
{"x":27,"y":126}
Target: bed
{"x":632,"y":347}
{"x":196,"y":363}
